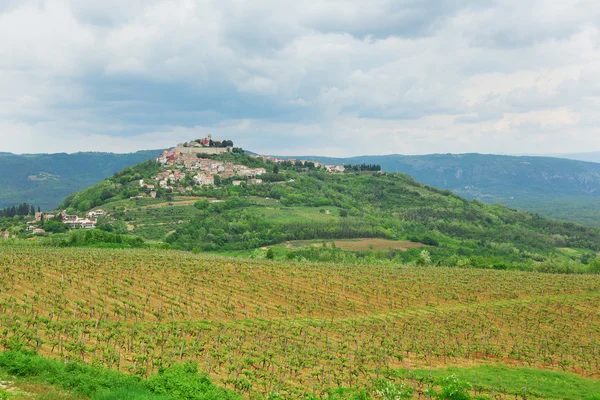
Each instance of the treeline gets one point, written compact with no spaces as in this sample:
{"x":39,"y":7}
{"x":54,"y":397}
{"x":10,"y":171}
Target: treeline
{"x":224,"y":143}
{"x":362,"y":167}
{"x":24,"y":209}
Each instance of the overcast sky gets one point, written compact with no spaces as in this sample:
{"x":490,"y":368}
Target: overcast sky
{"x":322,"y":77}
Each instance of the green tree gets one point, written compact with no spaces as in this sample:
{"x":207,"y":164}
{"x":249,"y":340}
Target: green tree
{"x":270,"y":254}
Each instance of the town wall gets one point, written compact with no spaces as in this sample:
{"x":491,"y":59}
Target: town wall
{"x":203,"y":150}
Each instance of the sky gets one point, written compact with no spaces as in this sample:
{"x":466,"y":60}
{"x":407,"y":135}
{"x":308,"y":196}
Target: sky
{"x":311,"y":77}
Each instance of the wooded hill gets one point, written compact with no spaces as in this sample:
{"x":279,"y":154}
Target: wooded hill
{"x":300,"y":204}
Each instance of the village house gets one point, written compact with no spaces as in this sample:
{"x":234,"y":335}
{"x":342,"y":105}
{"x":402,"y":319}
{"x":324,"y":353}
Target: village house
{"x":66,"y":217}
{"x":335,"y":168}
{"x":96,"y":213}
{"x":254,"y":181}
{"x":177,"y":176}
{"x":236,"y":183}
{"x":202,"y":179}
{"x":82,"y":223}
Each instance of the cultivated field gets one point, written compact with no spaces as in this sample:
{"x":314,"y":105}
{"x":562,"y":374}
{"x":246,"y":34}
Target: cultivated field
{"x":355,"y":244}
{"x":296,"y":329}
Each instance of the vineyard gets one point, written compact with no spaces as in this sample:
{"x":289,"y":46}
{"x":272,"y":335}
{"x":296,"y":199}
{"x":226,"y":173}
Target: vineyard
{"x":297,"y":329}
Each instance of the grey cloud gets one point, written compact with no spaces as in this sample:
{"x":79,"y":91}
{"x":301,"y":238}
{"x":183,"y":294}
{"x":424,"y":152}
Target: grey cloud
{"x":423,"y":74}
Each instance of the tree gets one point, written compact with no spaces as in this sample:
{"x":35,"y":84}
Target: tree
{"x":276,"y":169}
{"x":53,"y":226}
{"x":343,"y":213}
{"x":424,"y":258}
{"x":594,"y":266}
{"x":270,"y":254}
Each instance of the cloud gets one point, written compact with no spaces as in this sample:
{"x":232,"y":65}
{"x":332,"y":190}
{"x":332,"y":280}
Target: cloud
{"x":324,"y":77}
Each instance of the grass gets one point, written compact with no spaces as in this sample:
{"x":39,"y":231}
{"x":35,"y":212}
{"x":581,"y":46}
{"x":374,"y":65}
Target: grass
{"x":73,"y":380}
{"x":530,"y":382}
{"x":299,"y":214}
{"x":353,"y":244}
{"x":20,"y":388}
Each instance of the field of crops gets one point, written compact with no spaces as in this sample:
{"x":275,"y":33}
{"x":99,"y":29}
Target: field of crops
{"x":260,"y":326}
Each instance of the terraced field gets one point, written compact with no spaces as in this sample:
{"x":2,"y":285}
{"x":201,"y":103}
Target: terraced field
{"x":297,"y":329}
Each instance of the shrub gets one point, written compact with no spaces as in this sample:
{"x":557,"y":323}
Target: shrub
{"x":183,"y":382}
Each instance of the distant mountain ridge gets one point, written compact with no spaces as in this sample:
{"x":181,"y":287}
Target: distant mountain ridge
{"x":46,"y":179}
{"x":593,"y":156}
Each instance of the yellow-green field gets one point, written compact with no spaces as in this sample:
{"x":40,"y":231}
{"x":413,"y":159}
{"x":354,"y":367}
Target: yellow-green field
{"x":259,"y":326}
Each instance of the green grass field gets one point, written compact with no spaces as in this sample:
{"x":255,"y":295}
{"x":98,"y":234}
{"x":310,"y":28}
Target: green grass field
{"x":520,"y":382}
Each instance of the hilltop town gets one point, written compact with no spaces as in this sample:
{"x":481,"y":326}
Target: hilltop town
{"x":191,"y":165}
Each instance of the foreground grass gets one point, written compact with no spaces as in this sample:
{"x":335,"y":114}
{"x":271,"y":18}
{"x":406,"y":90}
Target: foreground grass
{"x":522,"y":382}
{"x":85,"y":381}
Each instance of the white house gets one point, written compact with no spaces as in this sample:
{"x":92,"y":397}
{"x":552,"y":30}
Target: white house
{"x":202,"y":180}
{"x":96,"y":213}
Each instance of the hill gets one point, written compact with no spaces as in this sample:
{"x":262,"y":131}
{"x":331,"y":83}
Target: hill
{"x":46,"y":179}
{"x":558,"y":188}
{"x":236,"y":212}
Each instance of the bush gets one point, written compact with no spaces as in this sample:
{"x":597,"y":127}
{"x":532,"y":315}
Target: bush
{"x":452,"y":388}
{"x":390,"y":391}
{"x":182,"y":381}
{"x":270,"y":254}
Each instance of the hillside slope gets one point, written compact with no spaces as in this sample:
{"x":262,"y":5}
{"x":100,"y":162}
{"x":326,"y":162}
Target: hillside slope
{"x":46,"y":179}
{"x":554,"y":187}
